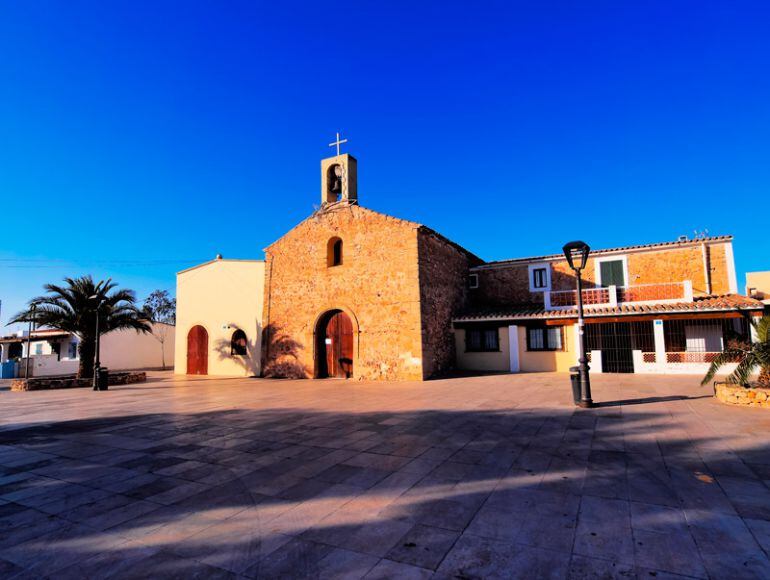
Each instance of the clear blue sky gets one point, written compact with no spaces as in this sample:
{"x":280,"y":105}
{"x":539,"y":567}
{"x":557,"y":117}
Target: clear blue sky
{"x":137,"y":138}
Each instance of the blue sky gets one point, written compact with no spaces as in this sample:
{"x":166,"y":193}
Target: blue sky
{"x":139,"y":138}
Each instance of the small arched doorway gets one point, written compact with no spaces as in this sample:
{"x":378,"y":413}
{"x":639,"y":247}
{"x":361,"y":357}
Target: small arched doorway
{"x":197,"y":351}
{"x":334,"y":345}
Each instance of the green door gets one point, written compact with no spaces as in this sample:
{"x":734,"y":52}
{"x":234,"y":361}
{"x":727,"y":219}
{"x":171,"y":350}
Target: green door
{"x":611,"y":272}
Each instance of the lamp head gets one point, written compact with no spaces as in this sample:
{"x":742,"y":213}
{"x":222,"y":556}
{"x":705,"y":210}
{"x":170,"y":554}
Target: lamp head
{"x":577,"y":254}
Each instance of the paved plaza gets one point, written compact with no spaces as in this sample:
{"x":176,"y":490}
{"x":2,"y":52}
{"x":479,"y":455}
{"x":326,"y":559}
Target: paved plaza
{"x":483,"y":477}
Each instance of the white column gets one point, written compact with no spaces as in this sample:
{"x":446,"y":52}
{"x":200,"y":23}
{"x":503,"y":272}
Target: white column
{"x":754,"y":337}
{"x":547,"y":299}
{"x":576,"y":331}
{"x":596,"y":361}
{"x":687,"y":290}
{"x":513,"y":348}
{"x":660,"y":342}
{"x":613,"y":292}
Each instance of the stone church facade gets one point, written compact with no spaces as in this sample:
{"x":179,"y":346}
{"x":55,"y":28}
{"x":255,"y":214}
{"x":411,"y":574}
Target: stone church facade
{"x":397,"y":281}
{"x":354,"y":293}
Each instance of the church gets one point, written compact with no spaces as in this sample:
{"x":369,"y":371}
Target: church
{"x":353,"y":293}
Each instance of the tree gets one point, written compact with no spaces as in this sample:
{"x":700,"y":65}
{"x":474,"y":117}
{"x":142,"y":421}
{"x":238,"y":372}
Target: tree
{"x":73,"y":307}
{"x":160,"y":307}
{"x":749,"y":355}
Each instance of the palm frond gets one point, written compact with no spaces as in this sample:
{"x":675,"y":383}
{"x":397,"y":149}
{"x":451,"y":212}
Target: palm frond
{"x":742,"y":372}
{"x":762,"y":328}
{"x":719,"y":361}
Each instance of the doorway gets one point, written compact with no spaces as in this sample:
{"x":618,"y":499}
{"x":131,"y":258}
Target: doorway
{"x":197,"y":351}
{"x":334,"y":346}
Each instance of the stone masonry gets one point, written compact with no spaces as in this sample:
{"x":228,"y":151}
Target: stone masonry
{"x":506,"y":284}
{"x":738,"y":395}
{"x":443,"y":292}
{"x":376,"y":285}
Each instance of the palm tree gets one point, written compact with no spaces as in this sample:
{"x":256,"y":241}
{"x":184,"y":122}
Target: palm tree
{"x":73,"y":307}
{"x":749,"y":356}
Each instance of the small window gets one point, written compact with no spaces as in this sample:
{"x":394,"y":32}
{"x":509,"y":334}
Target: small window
{"x":539,"y":277}
{"x":473,"y":281}
{"x":238,"y":343}
{"x":334,"y":252}
{"x":38,"y":349}
{"x":72,"y":351}
{"x":545,"y":338}
{"x":482,"y":340}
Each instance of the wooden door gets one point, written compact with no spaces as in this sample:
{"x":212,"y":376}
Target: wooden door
{"x":197,"y":351}
{"x":339,"y":346}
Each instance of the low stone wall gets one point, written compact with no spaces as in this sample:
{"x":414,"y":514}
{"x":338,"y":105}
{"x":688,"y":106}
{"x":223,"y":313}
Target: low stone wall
{"x":738,"y":395}
{"x":71,"y":382}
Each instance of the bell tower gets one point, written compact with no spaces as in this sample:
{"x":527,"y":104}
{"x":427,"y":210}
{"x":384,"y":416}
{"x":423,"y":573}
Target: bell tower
{"x":339,"y":176}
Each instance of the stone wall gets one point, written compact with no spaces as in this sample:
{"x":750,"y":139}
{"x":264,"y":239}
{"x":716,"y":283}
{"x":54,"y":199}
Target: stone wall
{"x":503,"y":286}
{"x":443,"y":293}
{"x":507,"y":284}
{"x":738,"y":395}
{"x":377,"y":285}
{"x":71,"y":382}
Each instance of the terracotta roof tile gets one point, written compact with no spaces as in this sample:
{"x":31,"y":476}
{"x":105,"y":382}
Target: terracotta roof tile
{"x":726,"y":302}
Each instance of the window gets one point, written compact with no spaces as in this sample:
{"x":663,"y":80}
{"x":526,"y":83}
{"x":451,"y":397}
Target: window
{"x":482,"y":340}
{"x":545,"y":338}
{"x":539,"y":277}
{"x":473,"y":281}
{"x":612,"y":272}
{"x":238,"y":343}
{"x":72,"y":351}
{"x":39,"y":348}
{"x":334,"y":252}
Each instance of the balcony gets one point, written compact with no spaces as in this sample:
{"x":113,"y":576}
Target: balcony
{"x":611,"y":296}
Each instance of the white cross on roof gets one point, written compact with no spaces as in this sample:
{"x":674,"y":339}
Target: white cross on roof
{"x":338,"y":142}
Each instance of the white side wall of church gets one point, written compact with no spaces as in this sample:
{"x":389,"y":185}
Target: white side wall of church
{"x":222,"y":296}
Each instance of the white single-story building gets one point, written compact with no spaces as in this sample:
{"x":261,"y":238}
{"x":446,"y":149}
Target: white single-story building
{"x":54,"y":352}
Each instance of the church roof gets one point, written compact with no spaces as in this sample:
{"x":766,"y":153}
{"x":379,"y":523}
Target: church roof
{"x":341,"y":206}
{"x":214,"y":261}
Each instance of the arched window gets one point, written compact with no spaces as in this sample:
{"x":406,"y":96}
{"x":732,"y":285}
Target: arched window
{"x":334,"y":252}
{"x":238,"y":343}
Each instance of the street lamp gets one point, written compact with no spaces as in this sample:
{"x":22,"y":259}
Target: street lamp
{"x":32,"y":309}
{"x":97,"y":363}
{"x":577,"y":256}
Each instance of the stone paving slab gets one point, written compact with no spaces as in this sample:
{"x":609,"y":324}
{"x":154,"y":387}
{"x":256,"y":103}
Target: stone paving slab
{"x":482,"y":477}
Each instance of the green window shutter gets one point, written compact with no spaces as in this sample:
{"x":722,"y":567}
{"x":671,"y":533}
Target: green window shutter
{"x":612,"y":273}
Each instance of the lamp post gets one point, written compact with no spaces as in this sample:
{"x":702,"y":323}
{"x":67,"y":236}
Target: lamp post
{"x":97,"y":363}
{"x":577,"y":256}
{"x":32,"y":309}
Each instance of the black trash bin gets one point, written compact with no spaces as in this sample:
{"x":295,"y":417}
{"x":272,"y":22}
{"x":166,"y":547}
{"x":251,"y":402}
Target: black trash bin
{"x":574,"y":377}
{"x":102,"y":381}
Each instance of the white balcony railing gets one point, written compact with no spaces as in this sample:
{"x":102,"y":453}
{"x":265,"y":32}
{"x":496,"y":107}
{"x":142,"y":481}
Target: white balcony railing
{"x":614,"y":295}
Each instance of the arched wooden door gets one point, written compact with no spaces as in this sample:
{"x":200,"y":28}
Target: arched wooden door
{"x":336,"y":346}
{"x":197,"y":351}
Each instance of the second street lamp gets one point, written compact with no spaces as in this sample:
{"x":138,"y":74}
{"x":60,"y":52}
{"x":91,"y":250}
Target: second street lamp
{"x":97,"y":362}
{"x":577,"y":257}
